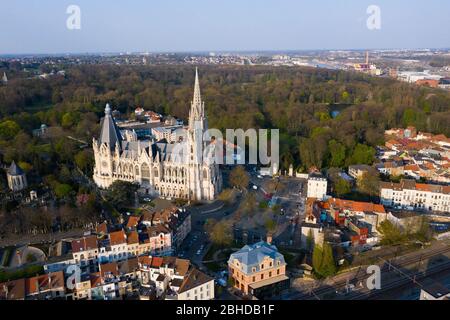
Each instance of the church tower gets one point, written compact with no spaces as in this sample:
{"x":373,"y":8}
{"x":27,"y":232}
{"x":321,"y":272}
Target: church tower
{"x":204,"y":179}
{"x":106,"y":150}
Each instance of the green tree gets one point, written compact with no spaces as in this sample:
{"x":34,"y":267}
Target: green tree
{"x":239,"y":178}
{"x":63,"y":190}
{"x":342,"y":187}
{"x":219,"y":232}
{"x":328,"y":267}
{"x":83,"y":160}
{"x":369,"y":183}
{"x":337,"y":153}
{"x":270,"y":225}
{"x":317,"y":258}
{"x":121,"y":194}
{"x":363,"y":154}
{"x":390,"y":233}
{"x":8,"y":129}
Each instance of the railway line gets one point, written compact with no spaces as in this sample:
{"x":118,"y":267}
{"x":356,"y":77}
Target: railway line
{"x":386,"y":268}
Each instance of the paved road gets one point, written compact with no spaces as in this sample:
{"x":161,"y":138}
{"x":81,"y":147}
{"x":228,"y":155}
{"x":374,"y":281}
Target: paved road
{"x":197,"y":240}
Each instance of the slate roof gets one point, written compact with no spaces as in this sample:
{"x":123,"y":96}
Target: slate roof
{"x":252,"y":255}
{"x":110,"y":133}
{"x":15,"y":170}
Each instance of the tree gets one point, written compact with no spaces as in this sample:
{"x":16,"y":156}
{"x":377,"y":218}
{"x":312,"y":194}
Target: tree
{"x":369,"y":183}
{"x":310,"y":240}
{"x":323,"y":261}
{"x":270,"y":225}
{"x":337,"y":153}
{"x":390,"y":233}
{"x":228,"y":196}
{"x":342,"y":187}
{"x":328,"y":266}
{"x":239,"y":178}
{"x":317,"y":258}
{"x":121,"y":194}
{"x":219,"y":232}
{"x":63,"y":190}
{"x":8,"y":129}
{"x":83,"y":160}
{"x":362,"y":154}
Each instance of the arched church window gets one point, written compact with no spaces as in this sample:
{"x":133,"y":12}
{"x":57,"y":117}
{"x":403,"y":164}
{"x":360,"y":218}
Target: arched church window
{"x":145,"y":172}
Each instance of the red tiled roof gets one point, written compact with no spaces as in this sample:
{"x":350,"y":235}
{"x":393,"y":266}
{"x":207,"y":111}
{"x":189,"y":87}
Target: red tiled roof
{"x":133,"y":237}
{"x":132,"y":222}
{"x":84,"y":244}
{"x":117,"y":237}
{"x":356,"y":206}
{"x":109,"y":269}
{"x":157,"y":262}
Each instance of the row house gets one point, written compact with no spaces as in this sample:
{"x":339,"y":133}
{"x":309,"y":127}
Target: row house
{"x":408,"y":194}
{"x":171,"y":278}
{"x":42,"y":287}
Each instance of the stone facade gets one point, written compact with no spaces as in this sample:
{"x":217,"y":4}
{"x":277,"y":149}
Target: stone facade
{"x":169,"y":170}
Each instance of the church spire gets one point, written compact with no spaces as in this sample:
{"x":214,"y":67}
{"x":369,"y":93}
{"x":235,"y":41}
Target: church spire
{"x":110,"y":133}
{"x":197,"y":96}
{"x":197,"y":112}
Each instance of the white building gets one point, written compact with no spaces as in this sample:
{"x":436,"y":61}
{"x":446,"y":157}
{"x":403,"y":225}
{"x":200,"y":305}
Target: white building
{"x":408,"y":194}
{"x":180,"y":170}
{"x":413,"y":76}
{"x":317,"y":186}
{"x":197,"y":286}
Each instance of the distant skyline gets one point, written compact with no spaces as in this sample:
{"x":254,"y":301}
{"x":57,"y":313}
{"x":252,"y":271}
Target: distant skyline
{"x":39,"y":26}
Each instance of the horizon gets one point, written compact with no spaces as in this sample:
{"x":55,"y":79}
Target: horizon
{"x":256,"y":51}
{"x":42,"y":27}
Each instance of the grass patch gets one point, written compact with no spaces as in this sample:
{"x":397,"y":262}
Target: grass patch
{"x":27,"y":272}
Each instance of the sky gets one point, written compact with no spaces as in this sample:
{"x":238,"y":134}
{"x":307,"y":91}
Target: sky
{"x":39,"y":26}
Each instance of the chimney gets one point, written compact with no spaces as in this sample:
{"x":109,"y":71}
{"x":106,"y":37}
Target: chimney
{"x":269,"y":238}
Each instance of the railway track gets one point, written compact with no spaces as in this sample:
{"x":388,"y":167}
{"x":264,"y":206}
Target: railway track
{"x":386,"y":267}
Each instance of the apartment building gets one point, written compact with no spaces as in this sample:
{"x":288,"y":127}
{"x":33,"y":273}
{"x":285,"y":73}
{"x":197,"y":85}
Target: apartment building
{"x":408,"y":194}
{"x":317,"y":186}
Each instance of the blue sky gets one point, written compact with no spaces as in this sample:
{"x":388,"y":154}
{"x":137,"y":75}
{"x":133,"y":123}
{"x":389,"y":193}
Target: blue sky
{"x":39,"y":26}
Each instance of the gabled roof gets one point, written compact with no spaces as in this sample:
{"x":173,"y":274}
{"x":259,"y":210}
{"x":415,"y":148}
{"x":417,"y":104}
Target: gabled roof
{"x":109,"y":269}
{"x":15,"y":170}
{"x":13,"y":290}
{"x":157,"y":262}
{"x":133,"y":237}
{"x":194,"y":279}
{"x":117,"y":237}
{"x":84,"y":244}
{"x":132,"y":222}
